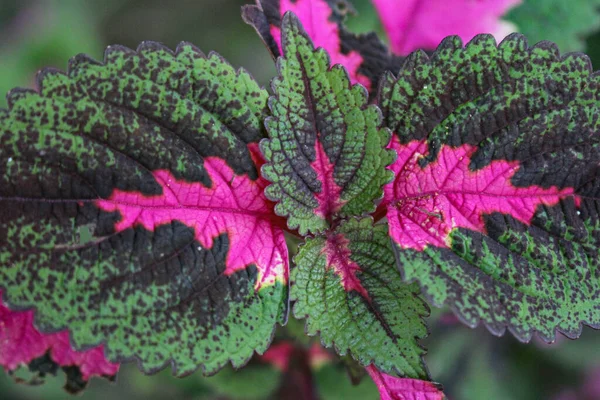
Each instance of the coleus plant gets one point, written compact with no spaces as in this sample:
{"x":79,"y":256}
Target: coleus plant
{"x":145,"y":200}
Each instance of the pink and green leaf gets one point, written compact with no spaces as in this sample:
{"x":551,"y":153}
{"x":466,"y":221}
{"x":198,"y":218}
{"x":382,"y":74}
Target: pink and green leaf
{"x":133,"y":213}
{"x":494,"y":204}
{"x":347,"y":288}
{"x":364,"y":56}
{"x":422,"y":24}
{"x":21,"y":344}
{"x":396,"y":388}
{"x":326,"y":155}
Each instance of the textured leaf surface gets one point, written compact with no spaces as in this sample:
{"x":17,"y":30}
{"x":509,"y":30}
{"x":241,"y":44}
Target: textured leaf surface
{"x":364,"y":56}
{"x":494,"y":207}
{"x":570,"y":21}
{"x":394,"y":388}
{"x":422,"y":24}
{"x":326,"y":154}
{"x":132,"y":214}
{"x":21,"y":343}
{"x":347,"y":287}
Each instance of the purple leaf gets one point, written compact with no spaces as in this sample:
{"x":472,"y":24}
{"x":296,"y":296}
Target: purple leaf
{"x":394,"y":388}
{"x":415,"y":24}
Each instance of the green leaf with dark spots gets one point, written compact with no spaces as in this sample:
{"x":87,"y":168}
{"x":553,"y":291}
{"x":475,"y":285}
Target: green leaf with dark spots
{"x":326,"y":154}
{"x":132,"y":212}
{"x":494,"y":205}
{"x":351,"y":294}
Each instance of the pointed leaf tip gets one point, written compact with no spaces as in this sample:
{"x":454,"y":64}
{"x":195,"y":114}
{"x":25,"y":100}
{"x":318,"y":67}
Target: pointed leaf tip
{"x":326,"y":153}
{"x":347,"y":288}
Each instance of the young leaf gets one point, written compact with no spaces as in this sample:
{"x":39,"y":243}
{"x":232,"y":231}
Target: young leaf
{"x":346,"y":286}
{"x":570,"y":21}
{"x":21,"y":344}
{"x":394,"y":388}
{"x":132,"y":213}
{"x":422,"y":24}
{"x":326,"y":154}
{"x":494,"y":207}
{"x":364,"y":56}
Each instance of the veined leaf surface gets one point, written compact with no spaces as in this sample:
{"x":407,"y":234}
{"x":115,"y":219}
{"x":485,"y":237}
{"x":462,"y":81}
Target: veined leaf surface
{"x":326,"y":153}
{"x":494,"y":206}
{"x":347,"y":288}
{"x":132,"y":212}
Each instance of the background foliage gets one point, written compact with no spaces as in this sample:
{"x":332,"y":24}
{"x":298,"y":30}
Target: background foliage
{"x":472,"y":363}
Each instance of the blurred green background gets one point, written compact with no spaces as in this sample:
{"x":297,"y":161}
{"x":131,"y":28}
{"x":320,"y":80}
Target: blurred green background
{"x":471,"y":364}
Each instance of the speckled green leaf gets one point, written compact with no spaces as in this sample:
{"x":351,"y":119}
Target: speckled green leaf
{"x":494,"y":206}
{"x":567,"y":23}
{"x":132,"y":213}
{"x":351,"y":294}
{"x":326,"y":154}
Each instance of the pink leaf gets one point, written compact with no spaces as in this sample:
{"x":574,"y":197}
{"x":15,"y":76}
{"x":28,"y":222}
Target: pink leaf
{"x":21,"y":343}
{"x":414,"y":24}
{"x":424,"y":204}
{"x":394,"y":388}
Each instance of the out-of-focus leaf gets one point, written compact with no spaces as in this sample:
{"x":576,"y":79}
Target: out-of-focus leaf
{"x":422,"y":24}
{"x":253,"y":382}
{"x":364,"y":56}
{"x":566,"y":23}
{"x":40,"y":36}
{"x":396,"y":388}
{"x":333,"y":384}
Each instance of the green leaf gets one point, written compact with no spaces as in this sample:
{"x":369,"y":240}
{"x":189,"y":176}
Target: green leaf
{"x":253,"y":382}
{"x":494,"y":206}
{"x":326,"y":155}
{"x":132,"y":213}
{"x":333,"y":384}
{"x":348,"y":289}
{"x":567,"y":23}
